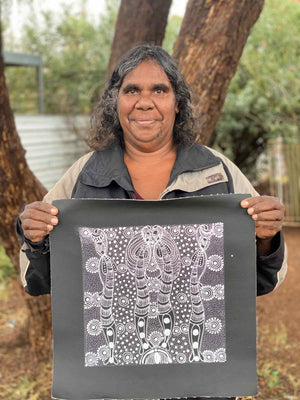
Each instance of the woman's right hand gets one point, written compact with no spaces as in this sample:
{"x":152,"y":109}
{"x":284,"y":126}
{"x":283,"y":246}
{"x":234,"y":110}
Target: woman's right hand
{"x":38,"y":219}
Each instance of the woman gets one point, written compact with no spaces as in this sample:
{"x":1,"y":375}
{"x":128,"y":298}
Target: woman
{"x":144,"y":142}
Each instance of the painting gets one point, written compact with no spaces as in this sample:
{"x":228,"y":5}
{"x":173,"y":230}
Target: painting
{"x":153,"y":294}
{"x":153,"y":299}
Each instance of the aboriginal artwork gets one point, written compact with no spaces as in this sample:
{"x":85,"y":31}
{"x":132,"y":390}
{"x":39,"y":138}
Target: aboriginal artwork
{"x":153,"y":294}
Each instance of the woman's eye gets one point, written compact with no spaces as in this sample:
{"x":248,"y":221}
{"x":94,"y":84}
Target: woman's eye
{"x":130,"y":91}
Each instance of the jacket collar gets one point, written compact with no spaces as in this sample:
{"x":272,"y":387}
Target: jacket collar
{"x":108,"y":165}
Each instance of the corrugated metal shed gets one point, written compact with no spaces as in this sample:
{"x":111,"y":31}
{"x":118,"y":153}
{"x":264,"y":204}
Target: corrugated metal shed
{"x":51,"y":144}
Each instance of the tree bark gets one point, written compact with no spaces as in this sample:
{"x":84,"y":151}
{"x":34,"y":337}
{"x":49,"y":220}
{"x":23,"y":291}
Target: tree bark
{"x":210,"y":43}
{"x":19,"y":186}
{"x":139,"y":21}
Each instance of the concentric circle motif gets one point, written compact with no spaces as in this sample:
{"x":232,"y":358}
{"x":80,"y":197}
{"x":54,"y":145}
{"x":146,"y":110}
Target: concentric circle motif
{"x":92,"y":265}
{"x":123,"y":301}
{"x":111,"y":235}
{"x":91,"y":359}
{"x":220,"y":355}
{"x":121,"y":268}
{"x":215,"y":263}
{"x":184,"y":328}
{"x":190,"y":230}
{"x":153,"y":311}
{"x":103,"y":352}
{"x":213,"y":325}
{"x":219,"y":292}
{"x":186,"y":261}
{"x":130,"y":327}
{"x":128,"y":232}
{"x":127,"y":357}
{"x":181,"y":358}
{"x":156,"y":338}
{"x":176,"y":330}
{"x":218,"y":230}
{"x":156,"y":356}
{"x":181,"y":298}
{"x":174,"y":231}
{"x":208,"y":356}
{"x":207,"y":292}
{"x":94,"y":327}
{"x":120,"y":328}
{"x":97,"y":299}
{"x":88,"y":300}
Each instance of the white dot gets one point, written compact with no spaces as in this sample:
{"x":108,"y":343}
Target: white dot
{"x":164,"y":345}
{"x":196,"y":358}
{"x":141,"y":323}
{"x":145,"y":346}
{"x":167,"y":332}
{"x":111,"y":345}
{"x":111,"y":359}
{"x":195,"y":331}
{"x":166,"y":320}
{"x":110,"y":333}
{"x":195,"y":345}
{"x":142,"y":335}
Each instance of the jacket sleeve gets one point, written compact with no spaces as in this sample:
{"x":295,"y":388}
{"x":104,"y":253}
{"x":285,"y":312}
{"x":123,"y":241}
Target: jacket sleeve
{"x":271,"y":269}
{"x":35,"y":257}
{"x":35,"y":264}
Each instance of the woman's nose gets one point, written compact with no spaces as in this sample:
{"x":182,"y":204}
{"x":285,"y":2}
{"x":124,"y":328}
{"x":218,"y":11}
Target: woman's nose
{"x":144,"y":102}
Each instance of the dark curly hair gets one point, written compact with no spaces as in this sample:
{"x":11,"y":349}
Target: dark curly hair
{"x":105,"y":124}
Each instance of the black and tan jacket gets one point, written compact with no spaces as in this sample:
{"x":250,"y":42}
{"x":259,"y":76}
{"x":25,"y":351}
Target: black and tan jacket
{"x":103,"y":174}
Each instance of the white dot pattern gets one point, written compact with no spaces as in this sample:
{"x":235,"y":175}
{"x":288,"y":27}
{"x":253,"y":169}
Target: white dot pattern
{"x":148,"y":308}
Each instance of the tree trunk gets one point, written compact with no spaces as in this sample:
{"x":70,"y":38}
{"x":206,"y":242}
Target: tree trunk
{"x":139,"y":21}
{"x":210,"y":43}
{"x":19,"y":186}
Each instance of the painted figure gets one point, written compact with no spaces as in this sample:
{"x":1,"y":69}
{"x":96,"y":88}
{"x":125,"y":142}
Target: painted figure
{"x":153,"y":258}
{"x":197,"y":317}
{"x":107,"y":276}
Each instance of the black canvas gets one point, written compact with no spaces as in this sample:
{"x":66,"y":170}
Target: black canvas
{"x":153,"y":299}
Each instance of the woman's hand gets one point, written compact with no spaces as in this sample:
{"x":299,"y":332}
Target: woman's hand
{"x":268,"y":213}
{"x":38,"y":219}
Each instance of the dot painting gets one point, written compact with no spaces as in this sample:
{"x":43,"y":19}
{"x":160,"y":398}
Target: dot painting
{"x":153,"y":294}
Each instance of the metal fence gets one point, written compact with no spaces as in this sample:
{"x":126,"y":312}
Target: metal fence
{"x":284,"y":177}
{"x":51,"y":144}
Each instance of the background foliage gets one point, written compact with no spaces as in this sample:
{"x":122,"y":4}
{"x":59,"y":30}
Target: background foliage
{"x":75,"y":54}
{"x":263,"y":99}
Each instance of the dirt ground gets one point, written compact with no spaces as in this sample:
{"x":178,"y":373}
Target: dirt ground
{"x":279,"y":331}
{"x":278,"y":343}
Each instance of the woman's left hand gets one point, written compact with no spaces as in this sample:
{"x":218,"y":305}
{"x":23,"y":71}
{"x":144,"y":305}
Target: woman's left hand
{"x":268,"y":214}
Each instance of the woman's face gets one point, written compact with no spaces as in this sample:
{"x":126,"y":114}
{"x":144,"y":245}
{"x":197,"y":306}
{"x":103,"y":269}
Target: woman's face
{"x":147,"y":107}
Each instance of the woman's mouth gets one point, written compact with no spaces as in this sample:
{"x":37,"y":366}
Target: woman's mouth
{"x":144,"y":121}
